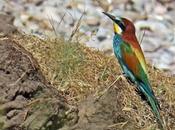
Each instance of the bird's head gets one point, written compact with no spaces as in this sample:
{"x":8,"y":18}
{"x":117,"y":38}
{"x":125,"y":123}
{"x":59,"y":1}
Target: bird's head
{"x":121,"y":25}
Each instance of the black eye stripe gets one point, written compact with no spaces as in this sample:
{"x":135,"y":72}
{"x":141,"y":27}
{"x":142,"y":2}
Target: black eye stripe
{"x":120,"y":24}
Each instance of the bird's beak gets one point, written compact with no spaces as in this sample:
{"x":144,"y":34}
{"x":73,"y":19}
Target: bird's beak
{"x":117,"y":23}
{"x":110,"y":16}
{"x":113,"y":18}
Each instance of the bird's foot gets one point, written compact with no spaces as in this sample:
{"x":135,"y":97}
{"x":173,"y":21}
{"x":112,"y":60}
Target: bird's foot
{"x":100,"y":94}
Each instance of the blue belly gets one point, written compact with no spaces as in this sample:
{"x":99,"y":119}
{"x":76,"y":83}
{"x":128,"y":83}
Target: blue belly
{"x":117,"y":41}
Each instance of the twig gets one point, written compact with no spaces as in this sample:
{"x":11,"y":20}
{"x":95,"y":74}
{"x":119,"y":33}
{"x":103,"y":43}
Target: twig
{"x":141,"y":40}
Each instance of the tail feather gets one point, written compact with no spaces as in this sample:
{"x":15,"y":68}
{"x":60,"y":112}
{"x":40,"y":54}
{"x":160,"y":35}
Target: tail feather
{"x":147,"y":91}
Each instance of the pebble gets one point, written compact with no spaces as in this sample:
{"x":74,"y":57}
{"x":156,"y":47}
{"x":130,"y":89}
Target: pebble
{"x":101,"y":34}
{"x":2,"y":4}
{"x":153,"y":25}
{"x":92,"y":21}
{"x":160,"y":9}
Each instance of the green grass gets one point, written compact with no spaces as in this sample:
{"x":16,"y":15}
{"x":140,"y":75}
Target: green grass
{"x":70,"y":59}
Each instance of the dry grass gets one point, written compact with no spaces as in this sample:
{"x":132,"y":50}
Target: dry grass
{"x":78,"y":71}
{"x":71,"y":67}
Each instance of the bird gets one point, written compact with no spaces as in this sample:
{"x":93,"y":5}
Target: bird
{"x":132,"y":61}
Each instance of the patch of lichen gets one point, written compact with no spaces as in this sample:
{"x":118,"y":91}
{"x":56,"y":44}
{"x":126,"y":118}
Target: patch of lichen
{"x":78,"y":71}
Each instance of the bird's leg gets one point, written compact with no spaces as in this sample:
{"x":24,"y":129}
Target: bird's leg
{"x":107,"y":89}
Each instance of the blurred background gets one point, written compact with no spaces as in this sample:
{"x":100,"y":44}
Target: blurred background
{"x":83,"y":21}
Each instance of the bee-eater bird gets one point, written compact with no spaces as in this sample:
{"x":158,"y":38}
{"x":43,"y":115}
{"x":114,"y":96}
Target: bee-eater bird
{"x":132,"y":61}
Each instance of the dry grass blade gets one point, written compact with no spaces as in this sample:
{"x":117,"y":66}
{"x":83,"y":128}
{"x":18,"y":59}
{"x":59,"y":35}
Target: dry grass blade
{"x":141,"y":39}
{"x":122,"y":124}
{"x":62,"y":18}
{"x":76,"y":27}
{"x":107,"y":89}
{"x":51,"y":21}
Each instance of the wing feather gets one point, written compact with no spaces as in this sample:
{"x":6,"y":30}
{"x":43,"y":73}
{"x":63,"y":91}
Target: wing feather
{"x":135,"y":61}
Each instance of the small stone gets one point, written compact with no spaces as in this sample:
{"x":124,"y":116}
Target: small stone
{"x":152,"y":25}
{"x":148,"y":44}
{"x":106,"y":45}
{"x":39,"y":2}
{"x":101,"y":34}
{"x":8,"y":19}
{"x":101,"y":38}
{"x":93,"y":22}
{"x":71,"y":5}
{"x":160,"y":9}
{"x":13,"y":113}
{"x":24,"y":17}
{"x":104,"y":4}
{"x":2,"y":4}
